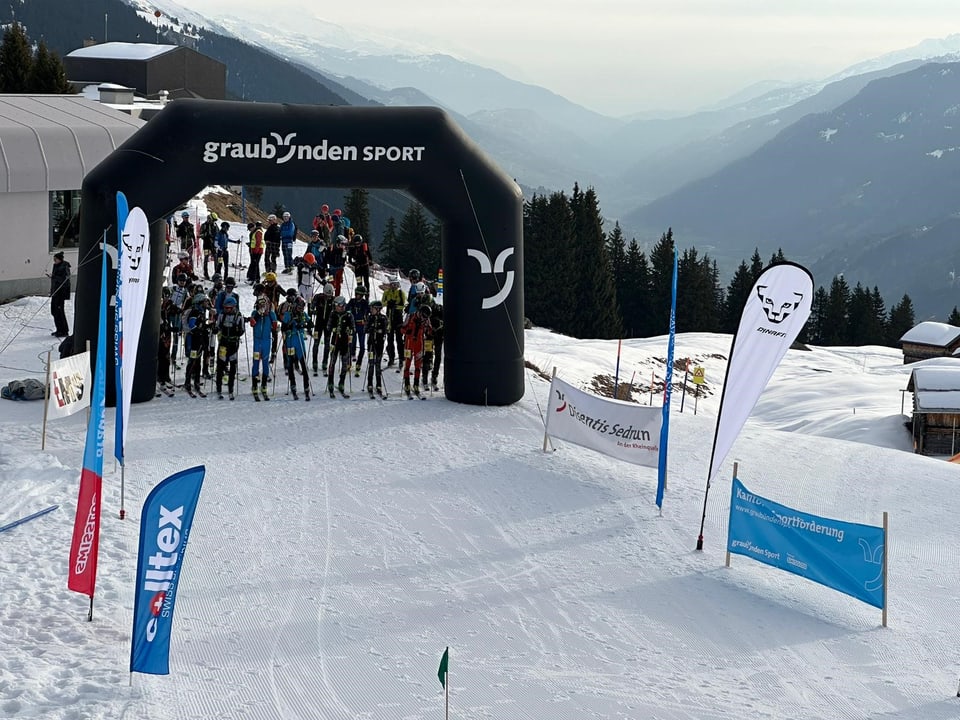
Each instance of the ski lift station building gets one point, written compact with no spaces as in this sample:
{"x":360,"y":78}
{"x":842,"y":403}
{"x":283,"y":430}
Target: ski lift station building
{"x":48,"y":143}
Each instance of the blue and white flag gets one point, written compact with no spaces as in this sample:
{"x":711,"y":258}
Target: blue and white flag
{"x":844,"y":556}
{"x":164,"y":531}
{"x":667,"y":389}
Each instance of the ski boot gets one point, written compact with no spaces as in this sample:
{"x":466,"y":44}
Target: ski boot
{"x":231,"y":396}
{"x":406,"y":389}
{"x":342,"y":391}
{"x":416,"y":390}
{"x":370,"y":391}
{"x":256,"y":390}
{"x":330,"y":390}
{"x":293,"y":391}
{"x":306,"y":394}
{"x":315,"y":370}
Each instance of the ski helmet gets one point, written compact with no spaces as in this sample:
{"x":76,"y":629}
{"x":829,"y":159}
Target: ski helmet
{"x":291,"y":293}
{"x":183,"y":255}
{"x":257,"y":289}
{"x":418,"y":289}
{"x":376,"y":305}
{"x":270,"y":277}
{"x":182,"y":278}
{"x":361,"y":290}
{"x":184,"y":214}
{"x":224,"y":226}
{"x":309,"y":259}
{"x":328,"y":290}
{"x":341,"y":240}
{"x":217,"y":277}
{"x":340,"y":301}
{"x":199,"y":299}
{"x":214,"y":216}
{"x":414,"y":275}
{"x":358,"y":238}
{"x":425,"y":310}
{"x":262,"y":304}
{"x":229,"y":302}
{"x":286,"y":216}
{"x":231,"y":281}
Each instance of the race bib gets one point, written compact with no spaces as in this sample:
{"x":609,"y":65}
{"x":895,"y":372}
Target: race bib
{"x":428,"y":345}
{"x":193,"y":354}
{"x":256,"y":355}
{"x":222,"y":353}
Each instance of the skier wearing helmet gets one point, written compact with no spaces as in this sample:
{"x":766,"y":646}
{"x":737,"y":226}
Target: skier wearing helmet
{"x":376,"y":327}
{"x":320,"y":310}
{"x":275,"y":294}
{"x":186,"y":233}
{"x":359,"y":307}
{"x":208,"y":234}
{"x":417,"y":331}
{"x":341,"y":330}
{"x":394,"y":300}
{"x":263,"y":320}
{"x":230,"y":329}
{"x":293,"y":323}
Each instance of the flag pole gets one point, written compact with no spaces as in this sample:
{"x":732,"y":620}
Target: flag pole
{"x":616,"y":373}
{"x":446,"y":696}
{"x":46,"y":405}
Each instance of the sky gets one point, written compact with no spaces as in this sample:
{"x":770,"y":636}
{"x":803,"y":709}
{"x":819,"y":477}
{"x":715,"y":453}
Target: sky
{"x":340,"y":545}
{"x":628,"y":56}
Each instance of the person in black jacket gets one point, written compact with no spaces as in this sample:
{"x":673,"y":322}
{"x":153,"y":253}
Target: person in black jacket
{"x":59,"y":293}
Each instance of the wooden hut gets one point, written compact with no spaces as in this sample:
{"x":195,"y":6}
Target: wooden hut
{"x":936,"y":409}
{"x":929,"y":340}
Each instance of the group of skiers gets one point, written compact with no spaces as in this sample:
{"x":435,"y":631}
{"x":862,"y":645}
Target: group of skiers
{"x":409,"y":328}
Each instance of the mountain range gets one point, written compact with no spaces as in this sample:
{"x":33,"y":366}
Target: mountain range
{"x":839,"y":173}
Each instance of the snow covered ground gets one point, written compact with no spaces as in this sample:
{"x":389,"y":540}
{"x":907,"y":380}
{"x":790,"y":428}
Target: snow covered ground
{"x":340,"y":545}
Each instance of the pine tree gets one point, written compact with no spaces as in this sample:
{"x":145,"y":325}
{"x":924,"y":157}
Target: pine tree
{"x":815,"y":329}
{"x":697,"y":293}
{"x":596,"y":314}
{"x":617,"y":255}
{"x":356,"y":206}
{"x":879,"y":316}
{"x":954,"y":318}
{"x":550,"y":269}
{"x":16,"y":61}
{"x":635,"y":310}
{"x":901,"y":320}
{"x":837,"y":316}
{"x":862,"y":318}
{"x":47,"y":74}
{"x":738,"y":292}
{"x":756,"y":264}
{"x":388,"y":244}
{"x":661,"y":283}
{"x":413,"y":245}
{"x":778,"y":257}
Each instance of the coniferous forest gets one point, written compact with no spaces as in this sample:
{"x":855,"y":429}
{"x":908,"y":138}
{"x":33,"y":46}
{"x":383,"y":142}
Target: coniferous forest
{"x":583,"y":281}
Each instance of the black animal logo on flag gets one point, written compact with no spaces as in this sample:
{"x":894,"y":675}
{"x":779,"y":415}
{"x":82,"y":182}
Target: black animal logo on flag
{"x":776,"y":310}
{"x":134,"y":244}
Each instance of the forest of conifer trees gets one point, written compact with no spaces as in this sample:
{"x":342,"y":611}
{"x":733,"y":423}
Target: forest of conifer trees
{"x":583,"y":281}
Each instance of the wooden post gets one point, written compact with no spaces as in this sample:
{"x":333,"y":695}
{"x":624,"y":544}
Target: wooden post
{"x":546,"y":438}
{"x":46,"y":404}
{"x":736,"y":466}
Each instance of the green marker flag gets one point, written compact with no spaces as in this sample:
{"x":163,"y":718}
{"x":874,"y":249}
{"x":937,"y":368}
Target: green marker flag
{"x":442,"y":670}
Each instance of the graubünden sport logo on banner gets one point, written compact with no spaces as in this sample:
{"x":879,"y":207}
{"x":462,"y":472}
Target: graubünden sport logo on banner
{"x":622,"y":430}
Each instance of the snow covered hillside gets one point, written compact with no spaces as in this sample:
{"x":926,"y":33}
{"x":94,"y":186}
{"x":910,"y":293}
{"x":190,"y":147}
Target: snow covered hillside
{"x":340,"y":545}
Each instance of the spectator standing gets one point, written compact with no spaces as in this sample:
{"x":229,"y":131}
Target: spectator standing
{"x":59,"y":294}
{"x":288,"y":233}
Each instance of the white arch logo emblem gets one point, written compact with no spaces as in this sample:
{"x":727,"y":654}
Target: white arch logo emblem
{"x":485,"y":268}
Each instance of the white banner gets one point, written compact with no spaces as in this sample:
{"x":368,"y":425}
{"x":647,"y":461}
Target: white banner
{"x":773,"y":315}
{"x":621,"y":430}
{"x":69,"y":385}
{"x":133,"y":287}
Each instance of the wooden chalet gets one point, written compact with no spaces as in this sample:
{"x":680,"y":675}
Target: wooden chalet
{"x":936,"y":408}
{"x":930,"y":340}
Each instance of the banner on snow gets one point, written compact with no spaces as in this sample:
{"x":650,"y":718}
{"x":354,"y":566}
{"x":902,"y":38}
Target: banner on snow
{"x":69,"y":385}
{"x":844,"y":556}
{"x":164,"y":530}
{"x":85,"y":544}
{"x":621,"y":430}
{"x":133,"y":282}
{"x":773,"y":315}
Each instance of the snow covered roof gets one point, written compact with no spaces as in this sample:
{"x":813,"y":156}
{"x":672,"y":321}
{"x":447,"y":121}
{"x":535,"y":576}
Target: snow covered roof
{"x":936,"y":388}
{"x":932,"y":333}
{"x":50,"y":142}
{"x":122,"y":51}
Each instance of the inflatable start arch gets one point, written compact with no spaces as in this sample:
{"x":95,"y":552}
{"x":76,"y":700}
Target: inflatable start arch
{"x":191,"y":144}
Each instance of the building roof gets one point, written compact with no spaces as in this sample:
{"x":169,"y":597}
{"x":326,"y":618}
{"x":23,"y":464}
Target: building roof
{"x":122,"y":51}
{"x":50,"y":142}
{"x":936,"y":389}
{"x":932,"y":333}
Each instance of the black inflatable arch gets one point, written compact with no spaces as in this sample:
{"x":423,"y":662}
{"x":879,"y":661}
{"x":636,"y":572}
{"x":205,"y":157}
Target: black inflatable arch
{"x":191,"y":144}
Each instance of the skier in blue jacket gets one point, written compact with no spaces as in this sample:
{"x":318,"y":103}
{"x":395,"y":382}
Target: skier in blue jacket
{"x":288,"y":233}
{"x":263,"y":320}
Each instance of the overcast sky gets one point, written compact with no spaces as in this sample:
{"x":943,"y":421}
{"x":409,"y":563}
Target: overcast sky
{"x":620,"y":56}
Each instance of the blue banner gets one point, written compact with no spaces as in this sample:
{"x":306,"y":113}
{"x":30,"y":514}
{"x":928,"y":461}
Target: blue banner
{"x":164,"y":531}
{"x":667,"y":388}
{"x":844,"y":556}
{"x":122,"y":212}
